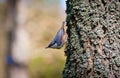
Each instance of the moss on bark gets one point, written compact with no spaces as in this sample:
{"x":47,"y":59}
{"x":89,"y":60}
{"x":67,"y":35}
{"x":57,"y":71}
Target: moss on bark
{"x":93,"y":48}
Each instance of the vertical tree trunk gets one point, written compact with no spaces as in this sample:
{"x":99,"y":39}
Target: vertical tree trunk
{"x":17,"y":40}
{"x":2,"y":39}
{"x":93,"y":48}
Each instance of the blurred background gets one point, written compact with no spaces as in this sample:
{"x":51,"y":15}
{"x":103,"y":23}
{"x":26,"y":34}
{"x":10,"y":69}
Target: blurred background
{"x":44,"y":18}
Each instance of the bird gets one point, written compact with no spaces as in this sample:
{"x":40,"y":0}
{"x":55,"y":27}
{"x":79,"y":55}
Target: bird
{"x":60,"y":39}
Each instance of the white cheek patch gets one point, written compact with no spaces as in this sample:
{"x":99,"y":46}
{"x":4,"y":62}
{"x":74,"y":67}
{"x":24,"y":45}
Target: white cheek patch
{"x":53,"y":46}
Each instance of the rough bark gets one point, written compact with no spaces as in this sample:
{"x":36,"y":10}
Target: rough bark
{"x":93,"y":48}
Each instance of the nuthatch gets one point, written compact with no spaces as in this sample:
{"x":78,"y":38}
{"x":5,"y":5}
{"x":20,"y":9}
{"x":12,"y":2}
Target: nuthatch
{"x":60,"y":38}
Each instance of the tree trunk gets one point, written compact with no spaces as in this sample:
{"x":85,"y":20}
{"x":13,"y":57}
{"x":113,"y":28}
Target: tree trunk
{"x":17,"y":48}
{"x":93,"y":48}
{"x":2,"y":39}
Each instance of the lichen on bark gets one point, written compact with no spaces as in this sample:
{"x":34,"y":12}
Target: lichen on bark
{"x":93,"y":48}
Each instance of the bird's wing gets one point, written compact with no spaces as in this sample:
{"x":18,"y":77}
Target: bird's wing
{"x":59,"y":36}
{"x":57,"y":39}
